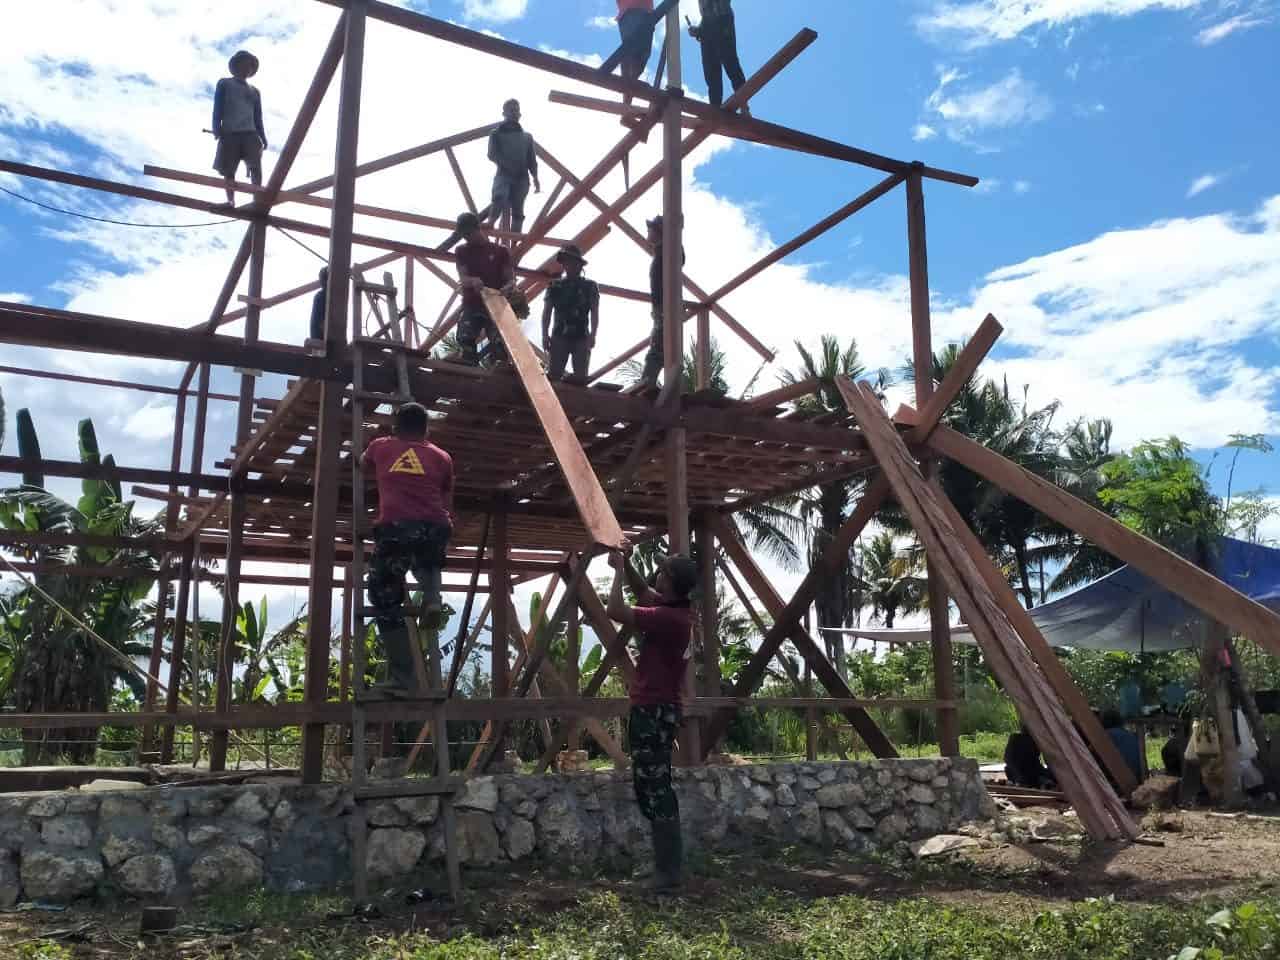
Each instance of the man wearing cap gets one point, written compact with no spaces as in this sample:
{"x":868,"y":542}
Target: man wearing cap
{"x":512,"y":151}
{"x":662,"y":621}
{"x":481,"y":263}
{"x":574,"y":301}
{"x":237,"y":123}
{"x":653,"y":360}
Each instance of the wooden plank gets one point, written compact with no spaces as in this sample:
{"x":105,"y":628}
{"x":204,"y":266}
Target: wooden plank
{"x":1072,"y":698}
{"x":588,"y":495}
{"x":973,"y":353}
{"x":792,"y":391}
{"x":1198,"y":587}
{"x":1082,"y":781}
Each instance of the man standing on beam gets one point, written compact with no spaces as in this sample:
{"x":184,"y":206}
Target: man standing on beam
{"x":663,"y":622}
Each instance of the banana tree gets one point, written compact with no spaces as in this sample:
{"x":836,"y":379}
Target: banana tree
{"x":57,"y":664}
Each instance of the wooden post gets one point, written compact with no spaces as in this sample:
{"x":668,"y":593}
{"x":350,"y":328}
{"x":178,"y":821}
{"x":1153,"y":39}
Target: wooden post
{"x":411,"y":316}
{"x":922,"y":354}
{"x":165,"y":585}
{"x":499,"y":588}
{"x":236,"y":514}
{"x":331,"y":427}
{"x":178,"y":650}
{"x":703,"y":347}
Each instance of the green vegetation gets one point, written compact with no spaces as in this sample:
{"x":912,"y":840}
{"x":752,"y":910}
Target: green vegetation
{"x":760,"y":924}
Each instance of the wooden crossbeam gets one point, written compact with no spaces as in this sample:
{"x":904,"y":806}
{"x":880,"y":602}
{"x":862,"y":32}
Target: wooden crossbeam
{"x":787,"y":623}
{"x":1198,"y":587}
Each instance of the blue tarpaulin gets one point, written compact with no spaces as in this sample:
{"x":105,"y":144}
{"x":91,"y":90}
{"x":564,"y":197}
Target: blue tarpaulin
{"x":1126,"y":610}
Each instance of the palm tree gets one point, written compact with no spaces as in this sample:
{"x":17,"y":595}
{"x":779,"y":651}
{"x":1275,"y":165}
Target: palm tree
{"x":824,"y":509}
{"x":893,"y":581}
{"x":988,"y":413}
{"x":1084,"y":453}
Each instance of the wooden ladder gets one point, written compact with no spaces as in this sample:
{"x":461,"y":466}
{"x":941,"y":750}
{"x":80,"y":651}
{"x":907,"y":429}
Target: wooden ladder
{"x":431,"y":694}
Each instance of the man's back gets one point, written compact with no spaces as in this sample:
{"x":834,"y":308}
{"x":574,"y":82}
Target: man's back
{"x":414,"y":478}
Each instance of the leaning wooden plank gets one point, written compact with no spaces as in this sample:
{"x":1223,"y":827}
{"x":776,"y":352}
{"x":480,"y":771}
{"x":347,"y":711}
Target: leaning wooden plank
{"x":1198,"y":587}
{"x":588,"y":495}
{"x":974,"y":352}
{"x":1082,"y":780}
{"x":1070,"y":695}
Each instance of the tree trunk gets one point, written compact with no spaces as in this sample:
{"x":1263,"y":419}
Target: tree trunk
{"x":1024,"y":574}
{"x":1218,"y":706}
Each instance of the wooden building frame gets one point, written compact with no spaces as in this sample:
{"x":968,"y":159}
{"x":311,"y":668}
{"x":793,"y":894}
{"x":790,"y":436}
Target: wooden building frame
{"x":551,"y":475}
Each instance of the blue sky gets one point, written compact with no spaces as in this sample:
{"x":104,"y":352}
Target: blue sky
{"x":1127,"y":232}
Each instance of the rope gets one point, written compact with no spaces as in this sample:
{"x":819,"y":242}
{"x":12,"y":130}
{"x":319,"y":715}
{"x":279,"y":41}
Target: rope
{"x":318,"y":256}
{"x":118,"y":223}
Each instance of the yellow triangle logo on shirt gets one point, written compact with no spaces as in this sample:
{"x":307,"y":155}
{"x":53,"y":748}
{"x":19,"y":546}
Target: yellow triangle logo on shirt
{"x":408,"y":462}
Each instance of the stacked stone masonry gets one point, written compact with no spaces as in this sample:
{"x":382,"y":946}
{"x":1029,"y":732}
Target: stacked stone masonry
{"x":171,"y":843}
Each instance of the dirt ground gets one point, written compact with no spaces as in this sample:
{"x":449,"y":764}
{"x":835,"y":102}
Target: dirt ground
{"x":1202,"y":855}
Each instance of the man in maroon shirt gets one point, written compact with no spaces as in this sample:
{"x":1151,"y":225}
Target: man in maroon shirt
{"x":415,"y":520}
{"x":663,"y":623}
{"x":481,"y":263}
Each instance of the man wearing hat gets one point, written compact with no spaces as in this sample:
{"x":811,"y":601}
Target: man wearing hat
{"x":575,"y":303}
{"x":481,"y":263}
{"x":237,"y":123}
{"x":662,"y":620}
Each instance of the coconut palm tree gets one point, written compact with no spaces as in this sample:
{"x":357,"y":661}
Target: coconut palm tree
{"x":893,"y":578}
{"x":825,"y":509}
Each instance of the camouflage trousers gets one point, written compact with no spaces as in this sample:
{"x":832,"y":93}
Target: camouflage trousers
{"x":653,"y":734}
{"x":470,"y":326}
{"x":408,"y":546}
{"x":653,"y":360}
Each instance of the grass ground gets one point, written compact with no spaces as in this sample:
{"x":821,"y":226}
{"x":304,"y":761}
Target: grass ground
{"x":1211,"y":887}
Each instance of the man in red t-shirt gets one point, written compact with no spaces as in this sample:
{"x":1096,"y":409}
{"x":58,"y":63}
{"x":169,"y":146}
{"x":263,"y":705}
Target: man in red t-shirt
{"x":415,"y":520}
{"x":635,"y":25}
{"x":663,"y":624}
{"x":481,"y":263}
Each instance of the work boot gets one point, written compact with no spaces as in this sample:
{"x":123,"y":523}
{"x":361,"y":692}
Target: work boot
{"x":668,"y":854}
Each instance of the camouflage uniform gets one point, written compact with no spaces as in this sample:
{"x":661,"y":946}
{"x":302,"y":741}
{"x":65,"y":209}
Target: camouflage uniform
{"x":471,"y":324}
{"x":653,"y":734}
{"x":572,"y":299}
{"x":399,"y":548}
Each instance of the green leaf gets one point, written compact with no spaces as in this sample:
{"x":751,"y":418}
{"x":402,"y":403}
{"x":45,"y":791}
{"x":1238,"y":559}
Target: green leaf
{"x":592,"y":663}
{"x":1187,"y":953}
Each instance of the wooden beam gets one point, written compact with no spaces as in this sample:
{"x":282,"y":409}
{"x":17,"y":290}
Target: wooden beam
{"x":593,"y":506}
{"x":403,"y":156}
{"x":791,"y":246}
{"x":331,"y":426}
{"x":793,"y":391}
{"x":1100,"y":810}
{"x":1198,"y":587}
{"x":65,"y":330}
{"x":974,"y":352}
{"x":787,"y":621}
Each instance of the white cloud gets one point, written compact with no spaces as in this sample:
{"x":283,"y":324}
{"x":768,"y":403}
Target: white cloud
{"x":497,"y":11}
{"x":604,"y":22}
{"x":1220,"y":31}
{"x":923,"y":131}
{"x":15,"y":297}
{"x":968,"y":112}
{"x":1203,"y":183}
{"x":1021,"y":186}
{"x":1150,"y":326}
{"x":988,"y":185}
{"x":979,"y":22}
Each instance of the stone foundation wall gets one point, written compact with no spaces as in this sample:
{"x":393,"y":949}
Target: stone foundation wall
{"x":169,"y":843}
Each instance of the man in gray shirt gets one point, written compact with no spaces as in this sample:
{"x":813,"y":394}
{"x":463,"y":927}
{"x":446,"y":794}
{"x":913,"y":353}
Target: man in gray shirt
{"x":237,"y":123}
{"x":512,"y":152}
